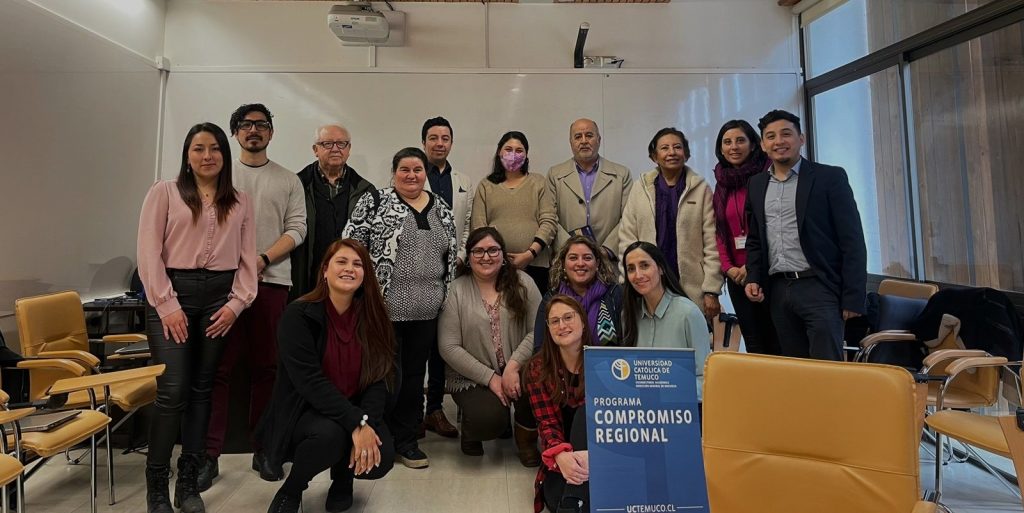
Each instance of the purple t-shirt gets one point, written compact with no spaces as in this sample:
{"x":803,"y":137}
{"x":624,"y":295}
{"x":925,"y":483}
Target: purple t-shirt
{"x":666,"y":208}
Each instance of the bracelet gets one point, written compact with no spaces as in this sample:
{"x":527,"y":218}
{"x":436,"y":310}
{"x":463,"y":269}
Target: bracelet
{"x":266,"y":259}
{"x":532,"y":252}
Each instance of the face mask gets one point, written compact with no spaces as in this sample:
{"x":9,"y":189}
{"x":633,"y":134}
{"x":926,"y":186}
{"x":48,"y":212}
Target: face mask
{"x":513,"y":161}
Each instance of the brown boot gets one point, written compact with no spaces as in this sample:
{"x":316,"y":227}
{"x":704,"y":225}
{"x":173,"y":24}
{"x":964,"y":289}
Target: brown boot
{"x":526,"y":442}
{"x":439,"y":424}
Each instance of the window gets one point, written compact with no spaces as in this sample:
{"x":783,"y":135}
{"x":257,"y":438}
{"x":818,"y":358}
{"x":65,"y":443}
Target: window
{"x":838,"y":32}
{"x":969,"y":125}
{"x":859,"y":126}
{"x":923,"y":103}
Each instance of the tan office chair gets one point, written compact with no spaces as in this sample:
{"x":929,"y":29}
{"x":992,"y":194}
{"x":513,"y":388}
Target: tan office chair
{"x":88,"y":424}
{"x":995,"y":434}
{"x":53,"y":326}
{"x":784,"y":434}
{"x":10,"y":470}
{"x":908,"y":289}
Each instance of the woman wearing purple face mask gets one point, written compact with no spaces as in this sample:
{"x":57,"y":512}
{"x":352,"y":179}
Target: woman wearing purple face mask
{"x":519,"y":205}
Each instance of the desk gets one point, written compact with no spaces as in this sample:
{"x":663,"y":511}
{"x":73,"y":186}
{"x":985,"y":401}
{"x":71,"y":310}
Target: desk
{"x":135,"y":307}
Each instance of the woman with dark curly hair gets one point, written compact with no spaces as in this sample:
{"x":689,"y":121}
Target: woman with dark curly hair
{"x":582,"y":271}
{"x":486,"y":336}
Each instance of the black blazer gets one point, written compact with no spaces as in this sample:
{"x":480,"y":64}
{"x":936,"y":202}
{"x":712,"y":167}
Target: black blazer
{"x":830,"y":232}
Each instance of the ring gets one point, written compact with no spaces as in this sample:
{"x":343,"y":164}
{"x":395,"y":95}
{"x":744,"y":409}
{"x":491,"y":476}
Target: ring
{"x":364,"y":453}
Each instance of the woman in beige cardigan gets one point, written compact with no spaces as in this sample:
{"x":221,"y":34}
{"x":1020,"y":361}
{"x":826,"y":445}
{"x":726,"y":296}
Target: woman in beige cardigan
{"x":671,"y":208}
{"x":485,"y":335}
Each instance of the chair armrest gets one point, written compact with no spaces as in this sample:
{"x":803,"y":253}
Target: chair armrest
{"x":963,"y":364}
{"x":887,"y":336}
{"x":72,"y":354}
{"x":125,"y":338}
{"x":8,"y":416}
{"x":67,"y":385}
{"x":52,"y":364}
{"x":925,"y":507}
{"x":944,"y":355}
{"x":127,"y":357}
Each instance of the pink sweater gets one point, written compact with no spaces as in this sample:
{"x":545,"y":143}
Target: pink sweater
{"x":735,"y":212}
{"x":169,"y":240}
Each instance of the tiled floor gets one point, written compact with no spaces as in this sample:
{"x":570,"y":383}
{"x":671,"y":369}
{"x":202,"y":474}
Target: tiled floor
{"x":495,"y":483}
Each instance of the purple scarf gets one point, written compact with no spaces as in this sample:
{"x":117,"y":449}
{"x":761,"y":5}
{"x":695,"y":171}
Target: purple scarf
{"x":591,"y":302}
{"x":729,"y":180}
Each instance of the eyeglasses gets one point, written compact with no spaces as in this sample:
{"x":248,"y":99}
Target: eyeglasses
{"x":261,"y":126}
{"x":342,"y":145}
{"x":554,"y":322}
{"x":492,"y":252}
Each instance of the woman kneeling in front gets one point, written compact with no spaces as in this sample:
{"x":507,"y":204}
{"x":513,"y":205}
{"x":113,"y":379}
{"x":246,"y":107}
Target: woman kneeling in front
{"x":486,"y":336}
{"x":337,"y":364}
{"x":554,"y":382}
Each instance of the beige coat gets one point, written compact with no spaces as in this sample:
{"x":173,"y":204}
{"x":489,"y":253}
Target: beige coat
{"x":464,"y":333}
{"x":607,"y":199}
{"x":699,"y":267}
{"x":462,"y":197}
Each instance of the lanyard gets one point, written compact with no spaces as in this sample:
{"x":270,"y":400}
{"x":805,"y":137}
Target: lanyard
{"x":739,"y":213}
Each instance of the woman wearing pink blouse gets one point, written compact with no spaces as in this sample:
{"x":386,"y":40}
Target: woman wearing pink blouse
{"x":739,"y":153}
{"x":197,"y":262}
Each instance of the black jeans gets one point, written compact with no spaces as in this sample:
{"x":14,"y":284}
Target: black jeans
{"x":755,"y":321}
{"x":320,"y":443}
{"x":183,"y":391}
{"x":808,"y":318}
{"x":415,"y":340}
{"x":435,"y":379}
{"x":555,"y":487}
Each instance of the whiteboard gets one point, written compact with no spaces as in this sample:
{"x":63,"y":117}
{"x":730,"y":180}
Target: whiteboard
{"x":384,"y":112}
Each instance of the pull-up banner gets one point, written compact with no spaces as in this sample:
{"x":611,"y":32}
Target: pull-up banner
{"x":643,"y":431}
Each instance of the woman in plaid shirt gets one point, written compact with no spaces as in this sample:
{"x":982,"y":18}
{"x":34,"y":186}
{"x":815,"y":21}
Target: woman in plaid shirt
{"x":555,"y":387}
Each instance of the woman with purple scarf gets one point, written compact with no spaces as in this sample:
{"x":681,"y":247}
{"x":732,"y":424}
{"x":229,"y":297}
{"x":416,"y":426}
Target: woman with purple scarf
{"x":739,"y":153}
{"x":582,"y":271}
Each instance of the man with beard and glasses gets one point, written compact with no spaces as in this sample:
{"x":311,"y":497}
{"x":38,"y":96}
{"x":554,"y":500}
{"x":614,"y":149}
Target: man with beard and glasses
{"x":279,"y":209}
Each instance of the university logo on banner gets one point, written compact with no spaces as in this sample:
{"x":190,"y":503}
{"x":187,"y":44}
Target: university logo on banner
{"x":643,"y":431}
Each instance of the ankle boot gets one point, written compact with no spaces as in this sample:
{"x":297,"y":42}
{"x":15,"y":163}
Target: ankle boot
{"x":158,"y":500}
{"x":339,"y":496}
{"x":186,"y":488}
{"x":526,"y":442}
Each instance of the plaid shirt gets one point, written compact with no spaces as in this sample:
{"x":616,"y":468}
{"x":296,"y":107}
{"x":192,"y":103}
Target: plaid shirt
{"x":549,"y":424}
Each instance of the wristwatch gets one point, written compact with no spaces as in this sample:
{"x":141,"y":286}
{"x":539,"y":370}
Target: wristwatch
{"x":266,"y":259}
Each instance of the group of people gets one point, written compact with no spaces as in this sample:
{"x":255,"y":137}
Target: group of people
{"x":344,"y":297}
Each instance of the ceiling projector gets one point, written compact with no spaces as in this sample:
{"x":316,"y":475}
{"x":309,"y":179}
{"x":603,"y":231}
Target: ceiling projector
{"x":358,"y":22}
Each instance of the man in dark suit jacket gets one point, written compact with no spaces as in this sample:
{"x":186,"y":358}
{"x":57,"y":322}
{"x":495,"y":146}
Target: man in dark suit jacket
{"x":805,"y":249}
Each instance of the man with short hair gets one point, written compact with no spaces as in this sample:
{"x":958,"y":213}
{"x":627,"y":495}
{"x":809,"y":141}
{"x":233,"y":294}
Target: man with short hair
{"x":590,"y":191}
{"x":805,"y":246}
{"x":332,"y":189}
{"x":280,"y":224}
{"x":457,"y":191}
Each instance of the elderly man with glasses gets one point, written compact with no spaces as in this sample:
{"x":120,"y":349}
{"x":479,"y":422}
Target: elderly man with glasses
{"x":332,"y":189}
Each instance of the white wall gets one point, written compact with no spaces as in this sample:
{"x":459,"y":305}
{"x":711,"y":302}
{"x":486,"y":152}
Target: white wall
{"x":137,"y":25}
{"x":293,"y":36}
{"x":488,"y":68}
{"x":80,"y":118}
